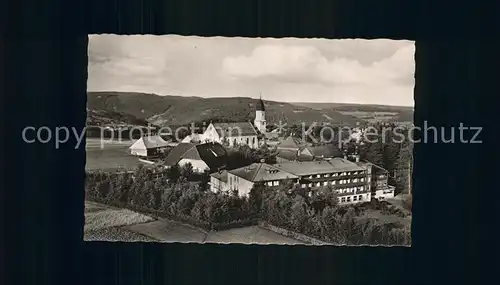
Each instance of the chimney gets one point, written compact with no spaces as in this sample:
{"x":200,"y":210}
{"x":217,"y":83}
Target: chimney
{"x":357,"y":157}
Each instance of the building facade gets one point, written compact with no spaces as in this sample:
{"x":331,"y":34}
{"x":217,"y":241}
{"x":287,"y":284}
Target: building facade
{"x":243,"y":179}
{"x":148,"y":146}
{"x":346,"y":178}
{"x":241,"y":133}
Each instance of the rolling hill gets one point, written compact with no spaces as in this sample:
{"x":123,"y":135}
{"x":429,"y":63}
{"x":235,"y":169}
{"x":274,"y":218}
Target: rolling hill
{"x":178,"y":110}
{"x":368,"y":112}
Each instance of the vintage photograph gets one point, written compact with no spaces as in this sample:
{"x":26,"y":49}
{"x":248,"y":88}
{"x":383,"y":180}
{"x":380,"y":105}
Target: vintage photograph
{"x":249,"y":140}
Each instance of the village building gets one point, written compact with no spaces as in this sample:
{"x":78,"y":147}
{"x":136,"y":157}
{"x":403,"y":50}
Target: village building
{"x":324,"y":151}
{"x":379,"y":177}
{"x":203,"y":157}
{"x":349,"y":180}
{"x":346,"y":178}
{"x":148,"y":146}
{"x":292,"y":149}
{"x":240,"y":133}
{"x":243,"y":179}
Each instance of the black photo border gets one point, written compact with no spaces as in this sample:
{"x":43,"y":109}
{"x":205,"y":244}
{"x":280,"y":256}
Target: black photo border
{"x":44,"y":72}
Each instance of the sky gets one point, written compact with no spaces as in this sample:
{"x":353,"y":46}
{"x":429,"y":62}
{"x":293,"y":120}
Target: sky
{"x":288,"y":70}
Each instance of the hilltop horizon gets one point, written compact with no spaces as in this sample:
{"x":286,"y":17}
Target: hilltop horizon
{"x":300,"y":103}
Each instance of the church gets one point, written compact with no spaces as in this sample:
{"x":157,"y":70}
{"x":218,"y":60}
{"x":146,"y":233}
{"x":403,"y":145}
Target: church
{"x":240,"y":133}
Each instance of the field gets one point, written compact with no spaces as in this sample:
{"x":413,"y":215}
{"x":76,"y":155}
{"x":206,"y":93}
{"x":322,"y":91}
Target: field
{"x":110,"y":224}
{"x":106,"y":223}
{"x":109,"y":155}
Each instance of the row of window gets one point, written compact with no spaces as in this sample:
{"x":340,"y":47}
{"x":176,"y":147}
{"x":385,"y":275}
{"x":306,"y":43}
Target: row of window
{"x":247,"y":141}
{"x":333,"y":182}
{"x":336,"y":174}
{"x":351,"y":198}
{"x":272,"y":183}
{"x":341,"y":190}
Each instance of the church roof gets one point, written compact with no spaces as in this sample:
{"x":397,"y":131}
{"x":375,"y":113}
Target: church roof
{"x":260,"y":105}
{"x":235,"y":129}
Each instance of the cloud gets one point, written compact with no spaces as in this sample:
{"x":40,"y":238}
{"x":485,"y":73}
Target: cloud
{"x":308,"y":63}
{"x":320,"y":70}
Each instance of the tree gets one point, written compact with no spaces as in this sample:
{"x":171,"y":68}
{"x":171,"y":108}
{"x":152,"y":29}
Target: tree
{"x":255,"y":197}
{"x":187,"y":171}
{"x":299,"y":215}
{"x":373,"y":152}
{"x":173,"y":173}
{"x":403,"y":169}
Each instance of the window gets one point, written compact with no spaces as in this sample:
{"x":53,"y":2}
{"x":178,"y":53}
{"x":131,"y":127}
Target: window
{"x":269,"y":183}
{"x":318,"y":176}
{"x":349,"y":199}
{"x":355,"y":198}
{"x":360,"y":197}
{"x":303,"y":185}
{"x":248,"y":141}
{"x":253,"y":140}
{"x":361,"y":188}
{"x":348,"y":180}
{"x":333,"y":182}
{"x":276,"y":183}
{"x":343,"y":199}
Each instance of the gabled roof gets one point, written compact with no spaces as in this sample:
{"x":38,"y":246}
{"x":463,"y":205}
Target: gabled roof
{"x":235,"y":129}
{"x":326,"y":150}
{"x":292,"y":155}
{"x":375,"y":168}
{"x":213,"y":154}
{"x":149,"y":142}
{"x":222,"y":176}
{"x":261,"y":172}
{"x":291,"y":143}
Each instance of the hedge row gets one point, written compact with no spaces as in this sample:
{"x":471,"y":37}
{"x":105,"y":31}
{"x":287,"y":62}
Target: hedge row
{"x":170,"y":196}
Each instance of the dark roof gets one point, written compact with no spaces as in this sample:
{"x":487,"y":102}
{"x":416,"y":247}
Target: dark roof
{"x":260,"y":106}
{"x":291,"y":143}
{"x":261,"y":172}
{"x":213,"y":154}
{"x":177,"y":152}
{"x":327,"y":151}
{"x":235,"y":129}
{"x":292,"y":155}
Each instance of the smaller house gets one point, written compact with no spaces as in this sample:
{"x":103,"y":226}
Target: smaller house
{"x":288,"y":155}
{"x":193,"y":138}
{"x":325,"y":151}
{"x":243,"y":179}
{"x":148,"y":146}
{"x":203,"y":157}
{"x":291,"y":143}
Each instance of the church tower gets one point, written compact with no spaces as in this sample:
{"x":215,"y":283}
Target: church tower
{"x":260,"y":116}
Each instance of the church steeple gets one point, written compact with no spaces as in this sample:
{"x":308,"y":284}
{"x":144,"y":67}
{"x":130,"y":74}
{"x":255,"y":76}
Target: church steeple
{"x":260,"y":104}
{"x":260,"y":116}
